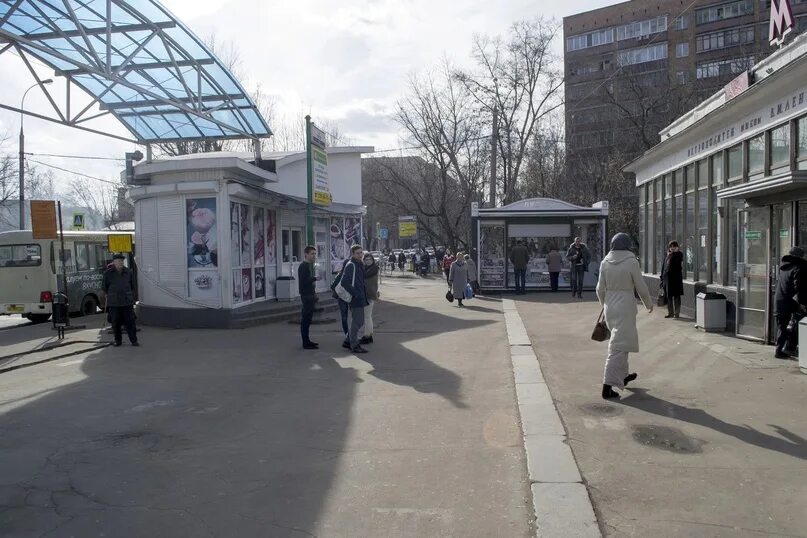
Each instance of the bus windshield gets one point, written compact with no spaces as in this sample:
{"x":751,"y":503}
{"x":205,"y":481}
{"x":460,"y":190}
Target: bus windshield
{"x":20,"y":255}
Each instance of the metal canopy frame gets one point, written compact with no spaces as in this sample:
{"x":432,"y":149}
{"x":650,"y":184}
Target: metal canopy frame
{"x":137,"y":62}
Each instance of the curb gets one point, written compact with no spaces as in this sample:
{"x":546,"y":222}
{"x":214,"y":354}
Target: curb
{"x":559,"y":497}
{"x":98,"y":345}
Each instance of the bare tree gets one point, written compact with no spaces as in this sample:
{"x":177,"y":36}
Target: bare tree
{"x":103,"y":200}
{"x":546,"y":164}
{"x":519,"y":77}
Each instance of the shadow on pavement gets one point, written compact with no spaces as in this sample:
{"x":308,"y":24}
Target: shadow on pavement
{"x":200,"y":433}
{"x":791,"y":445}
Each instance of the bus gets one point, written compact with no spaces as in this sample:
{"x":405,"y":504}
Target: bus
{"x":31,"y":272}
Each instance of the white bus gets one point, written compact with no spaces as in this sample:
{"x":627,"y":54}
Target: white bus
{"x":31,"y":272}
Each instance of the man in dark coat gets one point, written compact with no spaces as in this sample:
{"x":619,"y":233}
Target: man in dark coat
{"x":520,"y":257}
{"x":119,"y":290}
{"x":401,"y":261}
{"x":791,"y":298}
{"x":306,"y":282}
{"x":579,"y":257}
{"x":672,"y":279}
{"x":353,"y":282}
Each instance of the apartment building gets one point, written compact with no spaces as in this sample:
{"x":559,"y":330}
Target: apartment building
{"x":633,"y":67}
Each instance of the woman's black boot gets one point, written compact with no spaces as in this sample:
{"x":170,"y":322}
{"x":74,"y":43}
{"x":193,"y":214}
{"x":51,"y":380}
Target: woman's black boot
{"x":608,"y":393}
{"x":631,"y":377}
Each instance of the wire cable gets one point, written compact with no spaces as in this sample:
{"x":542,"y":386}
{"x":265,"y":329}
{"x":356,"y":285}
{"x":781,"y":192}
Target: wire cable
{"x":117,"y":184}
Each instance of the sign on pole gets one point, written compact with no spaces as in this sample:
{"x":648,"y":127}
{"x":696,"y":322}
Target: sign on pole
{"x":119,"y":242}
{"x":319,"y":158}
{"x":78,"y":221}
{"x":383,"y":233}
{"x":43,"y":219}
{"x":407,"y":227}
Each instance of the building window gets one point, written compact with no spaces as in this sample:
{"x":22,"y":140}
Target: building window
{"x":724,"y":67}
{"x":640,"y":29}
{"x":756,"y":155}
{"x":724,"y":39}
{"x":689,"y":230}
{"x":734,"y":206}
{"x":681,"y":23}
{"x":659,"y":237}
{"x":735,"y":155}
{"x":717,"y":240}
{"x":780,"y":146}
{"x":681,"y":50}
{"x":728,"y":10}
{"x":591,"y":39}
{"x":703,"y":234}
{"x":703,"y":173}
{"x":682,"y":77}
{"x":643,"y":227}
{"x":668,"y":228}
{"x":717,"y":170}
{"x":642,"y":55}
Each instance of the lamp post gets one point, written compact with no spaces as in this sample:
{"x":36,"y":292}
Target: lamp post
{"x":22,"y":152}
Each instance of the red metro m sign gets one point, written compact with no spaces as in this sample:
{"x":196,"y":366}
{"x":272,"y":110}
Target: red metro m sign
{"x":781,"y":21}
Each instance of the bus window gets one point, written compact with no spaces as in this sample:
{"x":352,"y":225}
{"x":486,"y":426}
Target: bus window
{"x":20,"y":255}
{"x":102,"y":256}
{"x":82,"y":257}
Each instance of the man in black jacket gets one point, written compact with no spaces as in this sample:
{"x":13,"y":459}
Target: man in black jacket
{"x":306,"y":282}
{"x":791,"y":298}
{"x":119,"y":291}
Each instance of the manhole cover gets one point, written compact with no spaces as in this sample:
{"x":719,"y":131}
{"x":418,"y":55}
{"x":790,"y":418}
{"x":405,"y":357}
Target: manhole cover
{"x":601,"y":409}
{"x":665,"y":438}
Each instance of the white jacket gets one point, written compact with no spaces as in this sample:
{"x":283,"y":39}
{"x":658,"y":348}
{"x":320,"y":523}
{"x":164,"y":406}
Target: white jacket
{"x":620,"y":275}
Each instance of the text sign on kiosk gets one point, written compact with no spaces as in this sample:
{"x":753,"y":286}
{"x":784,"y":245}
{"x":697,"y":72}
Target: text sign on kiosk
{"x":43,"y":219}
{"x":119,"y":242}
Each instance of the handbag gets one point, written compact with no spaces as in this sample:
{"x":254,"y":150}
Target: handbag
{"x":793,"y":324}
{"x":601,"y":332}
{"x":449,"y":296}
{"x":662,"y":298}
{"x":340,"y":290}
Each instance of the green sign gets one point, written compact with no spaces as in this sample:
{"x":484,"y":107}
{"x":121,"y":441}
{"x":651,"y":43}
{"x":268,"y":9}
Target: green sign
{"x":753,"y":235}
{"x":784,"y":234}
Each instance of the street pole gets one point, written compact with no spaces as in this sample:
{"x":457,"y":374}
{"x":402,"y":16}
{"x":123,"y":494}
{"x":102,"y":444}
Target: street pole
{"x":494,"y":142}
{"x":22,"y":152}
{"x":309,"y":218}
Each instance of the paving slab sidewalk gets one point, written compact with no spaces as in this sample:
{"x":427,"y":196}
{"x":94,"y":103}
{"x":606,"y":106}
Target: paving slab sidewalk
{"x":711,"y":440}
{"x":241,"y":433}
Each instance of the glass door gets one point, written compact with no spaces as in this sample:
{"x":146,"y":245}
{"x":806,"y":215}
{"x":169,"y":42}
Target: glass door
{"x":752,"y":273}
{"x":781,"y":243}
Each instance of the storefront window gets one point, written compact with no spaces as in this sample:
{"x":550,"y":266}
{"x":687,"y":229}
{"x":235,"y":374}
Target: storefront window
{"x":717,"y":241}
{"x":678,"y":182}
{"x":756,"y":155}
{"x":703,"y":173}
{"x":703,"y":234}
{"x":780,"y":146}
{"x":668,"y":227}
{"x":691,"y":232}
{"x":491,"y":255}
{"x":717,"y":169}
{"x":731,"y":214}
{"x":801,"y":150}
{"x":735,"y":159}
{"x":651,"y":236}
{"x":802,"y":222}
{"x":642,"y":229}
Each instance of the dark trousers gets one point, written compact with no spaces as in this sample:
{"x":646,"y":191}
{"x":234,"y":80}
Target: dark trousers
{"x":306,"y":317}
{"x":786,"y":341}
{"x":553,"y":280}
{"x":521,"y":280}
{"x":447,"y":273}
{"x":674,"y":305}
{"x":123,"y":316}
{"x":343,"y":310}
{"x":578,"y":273}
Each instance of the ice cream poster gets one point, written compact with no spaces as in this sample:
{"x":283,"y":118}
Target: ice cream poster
{"x":202,"y":234}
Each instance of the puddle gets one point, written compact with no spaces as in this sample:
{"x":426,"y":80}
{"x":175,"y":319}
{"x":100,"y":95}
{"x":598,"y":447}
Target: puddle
{"x":602,"y":409}
{"x":665,"y":438}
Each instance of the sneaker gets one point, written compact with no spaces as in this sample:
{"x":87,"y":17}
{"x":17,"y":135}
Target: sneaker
{"x":116,"y":344}
{"x":366,"y":340}
{"x":346,"y":344}
{"x":781,"y":355}
{"x":136,"y":344}
{"x":310,"y":346}
{"x":358,"y":349}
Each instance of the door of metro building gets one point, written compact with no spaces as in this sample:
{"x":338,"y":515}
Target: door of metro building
{"x":753,"y":281}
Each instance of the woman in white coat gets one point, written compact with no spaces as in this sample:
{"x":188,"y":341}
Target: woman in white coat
{"x":620,"y":277}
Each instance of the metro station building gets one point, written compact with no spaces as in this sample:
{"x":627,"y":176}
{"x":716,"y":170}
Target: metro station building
{"x":728,"y":181}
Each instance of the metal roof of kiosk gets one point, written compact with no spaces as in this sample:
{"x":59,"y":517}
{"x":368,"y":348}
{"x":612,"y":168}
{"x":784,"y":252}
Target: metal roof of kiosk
{"x":544,"y":207}
{"x":137,"y":61}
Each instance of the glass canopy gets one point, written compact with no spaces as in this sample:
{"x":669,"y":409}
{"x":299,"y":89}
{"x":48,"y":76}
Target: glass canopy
{"x":138,"y":62}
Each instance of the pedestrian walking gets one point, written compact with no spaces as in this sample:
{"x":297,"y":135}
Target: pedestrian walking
{"x":371,"y":282}
{"x":620,"y":277}
{"x":448,"y":259}
{"x":458,"y":278}
{"x":401,"y":261}
{"x":473,"y":275}
{"x":672,"y":279}
{"x":791,"y":300}
{"x":579,"y":257}
{"x":554,"y":264}
{"x":520,"y":257}
{"x":118,"y":286}
{"x":306,"y":282}
{"x":353,"y":282}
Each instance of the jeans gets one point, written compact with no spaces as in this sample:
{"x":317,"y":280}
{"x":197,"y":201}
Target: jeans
{"x":578,"y":273}
{"x":674,"y":305}
{"x":447,"y":273}
{"x":306,"y":317}
{"x":553,"y":280}
{"x":356,"y":323}
{"x":123,"y":315}
{"x":343,"y":310}
{"x":521,"y":280}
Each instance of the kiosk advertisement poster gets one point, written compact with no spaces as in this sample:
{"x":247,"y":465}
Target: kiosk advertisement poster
{"x":338,"y":248}
{"x":352,"y":233}
{"x":271,"y":237}
{"x":203,"y":279}
{"x":491,"y":254}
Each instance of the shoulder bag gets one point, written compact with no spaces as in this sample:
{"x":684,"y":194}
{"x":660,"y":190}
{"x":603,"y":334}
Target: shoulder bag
{"x":601,"y":332}
{"x":340,"y":290}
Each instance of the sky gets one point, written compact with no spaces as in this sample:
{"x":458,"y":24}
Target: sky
{"x":346,"y":61}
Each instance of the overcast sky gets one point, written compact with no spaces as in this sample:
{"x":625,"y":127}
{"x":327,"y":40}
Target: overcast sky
{"x":347,"y":61}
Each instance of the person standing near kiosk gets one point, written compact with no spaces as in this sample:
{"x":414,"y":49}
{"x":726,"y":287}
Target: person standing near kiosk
{"x":119,"y":290}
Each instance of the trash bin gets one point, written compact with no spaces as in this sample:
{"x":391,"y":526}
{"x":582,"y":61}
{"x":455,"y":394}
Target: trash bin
{"x":802,"y":336}
{"x":59,"y":309}
{"x":286,"y":288}
{"x":710,"y":312}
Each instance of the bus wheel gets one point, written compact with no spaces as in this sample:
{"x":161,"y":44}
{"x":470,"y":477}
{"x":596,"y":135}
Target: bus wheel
{"x":89,"y":305}
{"x":38,"y":318}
